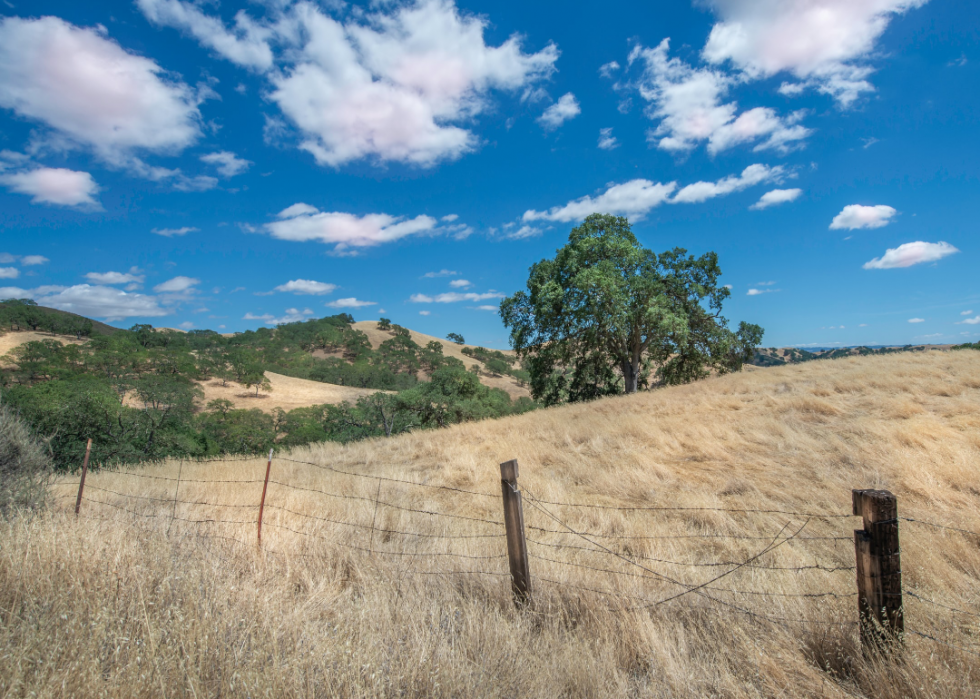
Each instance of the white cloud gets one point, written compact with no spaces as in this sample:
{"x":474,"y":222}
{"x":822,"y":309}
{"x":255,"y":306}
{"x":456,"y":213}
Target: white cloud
{"x":424,"y":313}
{"x":53,"y":185}
{"x":9,"y":272}
{"x":440,"y":273}
{"x":606,"y":70}
{"x":909,"y":254}
{"x":822,"y":43}
{"x":634,"y":199}
{"x":449,"y":218}
{"x":6,"y":258}
{"x":350,"y":302}
{"x":301,"y":222}
{"x":917,"y":320}
{"x":306,"y":286}
{"x":228,"y":163}
{"x":171,"y":232}
{"x":246,"y":44}
{"x":776,"y":196}
{"x":30,"y":260}
{"x":855,"y":216}
{"x":103,"y":302}
{"x":765,"y":283}
{"x":176,"y":285}
{"x":523,"y":232}
{"x":758,"y":292}
{"x":186,"y":325}
{"x":93,"y":92}
{"x":966,"y":313}
{"x":460,"y":283}
{"x":606,"y":140}
{"x":970,"y":321}
{"x":454,"y":297}
{"x":488,"y":308}
{"x":292,"y":315}
{"x":396,"y":86}
{"x":567,"y":107}
{"x":702,"y":191}
{"x":13,"y":292}
{"x":114,"y":278}
{"x":688,"y":102}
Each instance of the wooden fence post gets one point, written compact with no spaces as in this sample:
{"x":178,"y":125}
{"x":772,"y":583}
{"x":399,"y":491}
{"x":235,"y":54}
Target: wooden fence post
{"x":879,"y":569}
{"x":265,"y":486}
{"x":81,"y":483}
{"x":520,"y":574}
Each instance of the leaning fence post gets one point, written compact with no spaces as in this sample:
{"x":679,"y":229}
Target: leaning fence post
{"x":265,"y":486}
{"x":879,"y":568}
{"x":520,"y":574}
{"x":81,"y":483}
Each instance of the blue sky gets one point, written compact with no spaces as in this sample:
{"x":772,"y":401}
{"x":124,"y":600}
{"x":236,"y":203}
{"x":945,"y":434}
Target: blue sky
{"x":229,"y":166}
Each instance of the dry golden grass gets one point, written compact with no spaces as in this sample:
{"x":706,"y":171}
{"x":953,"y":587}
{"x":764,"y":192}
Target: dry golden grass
{"x":11,"y":340}
{"x":287,"y":393}
{"x":114,"y":605}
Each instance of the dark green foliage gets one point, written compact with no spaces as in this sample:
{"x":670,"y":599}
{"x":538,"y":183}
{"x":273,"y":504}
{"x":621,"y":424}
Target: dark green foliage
{"x":967,"y":345}
{"x":607,"y":316}
{"x":135,"y":393}
{"x":384,"y":324}
{"x":456,"y":337}
{"x":24,"y":465}
{"x":25,"y":314}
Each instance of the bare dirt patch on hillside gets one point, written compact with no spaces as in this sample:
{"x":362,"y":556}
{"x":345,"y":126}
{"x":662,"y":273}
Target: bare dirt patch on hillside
{"x":11,"y":340}
{"x":449,"y":349}
{"x":360,"y":590}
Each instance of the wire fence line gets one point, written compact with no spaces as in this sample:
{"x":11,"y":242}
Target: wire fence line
{"x":577,"y":550}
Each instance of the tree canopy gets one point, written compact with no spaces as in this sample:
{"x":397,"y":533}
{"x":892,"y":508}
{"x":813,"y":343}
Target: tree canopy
{"x":607,"y":316}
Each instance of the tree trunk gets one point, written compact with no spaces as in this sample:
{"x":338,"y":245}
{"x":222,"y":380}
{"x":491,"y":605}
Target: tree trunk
{"x":631,"y":376}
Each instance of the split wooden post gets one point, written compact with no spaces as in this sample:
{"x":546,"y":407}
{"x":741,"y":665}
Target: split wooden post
{"x":879,"y":569}
{"x":81,"y":483}
{"x":520,"y":573}
{"x":265,"y":486}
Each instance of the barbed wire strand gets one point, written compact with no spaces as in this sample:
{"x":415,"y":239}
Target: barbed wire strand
{"x":939,"y":526}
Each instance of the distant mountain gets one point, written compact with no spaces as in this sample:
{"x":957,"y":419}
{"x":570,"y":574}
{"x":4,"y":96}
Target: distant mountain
{"x":777,"y":356}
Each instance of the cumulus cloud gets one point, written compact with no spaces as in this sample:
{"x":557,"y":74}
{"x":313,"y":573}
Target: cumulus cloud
{"x":247,"y":44}
{"x":917,"y":320}
{"x":292,"y":315}
{"x":567,"y":107}
{"x":752,"y":175}
{"x":54,"y":185}
{"x":92,"y":92}
{"x":606,"y":140}
{"x":775,"y":197}
{"x":103,"y":302}
{"x":392,"y":84}
{"x":454,"y":297}
{"x":606,"y":70}
{"x":114,"y":278}
{"x":30,"y":260}
{"x":350,"y":302}
{"x":9,"y":272}
{"x":758,"y":292}
{"x":449,"y":218}
{"x":301,"y":222}
{"x":825,"y":44}
{"x":176,"y":285}
{"x":523,"y":232}
{"x":228,"y":163}
{"x":970,"y":321}
{"x":424,"y":313}
{"x":488,"y":308}
{"x":854,"y":216}
{"x":688,"y":103}
{"x":634,"y":199}
{"x":440,"y":273}
{"x":460,"y":283}
{"x":966,"y":313}
{"x":909,"y":254}
{"x":171,"y":232}
{"x":306,"y":286}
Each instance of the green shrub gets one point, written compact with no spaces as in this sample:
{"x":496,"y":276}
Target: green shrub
{"x":24,"y":467}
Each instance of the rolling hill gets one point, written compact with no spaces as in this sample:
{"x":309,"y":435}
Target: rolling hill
{"x":366,"y":585}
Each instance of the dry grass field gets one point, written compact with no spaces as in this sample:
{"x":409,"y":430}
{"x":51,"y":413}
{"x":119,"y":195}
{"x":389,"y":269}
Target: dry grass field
{"x":365,"y":586}
{"x":287,"y":392}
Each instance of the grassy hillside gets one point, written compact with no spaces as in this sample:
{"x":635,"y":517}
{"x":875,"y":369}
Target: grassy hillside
{"x":123,"y":605}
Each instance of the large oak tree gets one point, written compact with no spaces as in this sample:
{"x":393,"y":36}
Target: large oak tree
{"x":608,"y":316}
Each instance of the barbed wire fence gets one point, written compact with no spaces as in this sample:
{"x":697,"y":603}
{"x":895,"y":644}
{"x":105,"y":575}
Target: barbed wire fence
{"x":569,"y":559}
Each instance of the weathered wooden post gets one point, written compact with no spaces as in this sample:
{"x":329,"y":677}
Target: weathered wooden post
{"x":520,"y":573}
{"x":265,"y":486}
{"x":879,"y":569}
{"x":81,"y":483}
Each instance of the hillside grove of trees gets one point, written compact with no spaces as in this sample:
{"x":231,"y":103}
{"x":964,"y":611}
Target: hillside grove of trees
{"x":137,"y":392}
